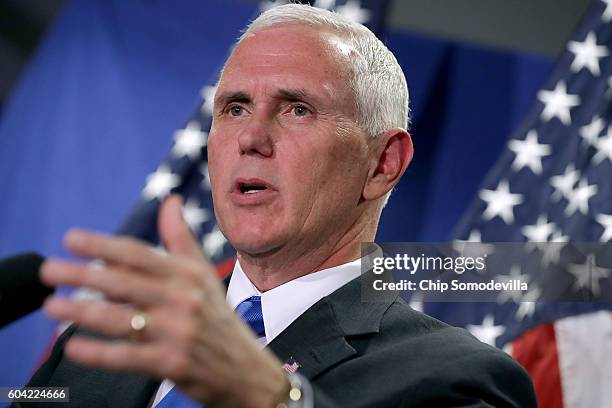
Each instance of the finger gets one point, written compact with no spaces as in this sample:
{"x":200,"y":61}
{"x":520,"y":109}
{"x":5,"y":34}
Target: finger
{"x":122,"y":250}
{"x":156,"y":360}
{"x":163,"y":325}
{"x":105,"y":318}
{"x":116,"y":283}
{"x":174,"y":231}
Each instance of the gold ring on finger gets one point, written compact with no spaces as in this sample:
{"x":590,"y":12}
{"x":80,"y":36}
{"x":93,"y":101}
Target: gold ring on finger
{"x":138,"y":323}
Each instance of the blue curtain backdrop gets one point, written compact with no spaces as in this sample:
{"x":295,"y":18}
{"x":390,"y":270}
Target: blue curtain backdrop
{"x":95,"y":111}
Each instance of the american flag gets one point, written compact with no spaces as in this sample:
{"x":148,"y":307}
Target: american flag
{"x":291,"y":366}
{"x":553,"y":183}
{"x":185,"y":170}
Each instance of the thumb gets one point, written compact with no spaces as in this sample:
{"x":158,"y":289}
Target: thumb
{"x":174,"y":233}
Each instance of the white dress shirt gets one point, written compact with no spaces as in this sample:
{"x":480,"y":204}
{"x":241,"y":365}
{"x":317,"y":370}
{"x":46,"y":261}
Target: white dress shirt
{"x":283,"y":304}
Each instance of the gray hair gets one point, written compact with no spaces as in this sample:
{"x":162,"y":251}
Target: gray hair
{"x":378,"y":82}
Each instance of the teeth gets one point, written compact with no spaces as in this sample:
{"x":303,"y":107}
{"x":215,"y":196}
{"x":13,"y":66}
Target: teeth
{"x":251,"y":189}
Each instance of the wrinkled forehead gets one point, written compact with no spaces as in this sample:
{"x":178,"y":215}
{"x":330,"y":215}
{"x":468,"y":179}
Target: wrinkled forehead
{"x":292,"y":57}
{"x":320,"y":46}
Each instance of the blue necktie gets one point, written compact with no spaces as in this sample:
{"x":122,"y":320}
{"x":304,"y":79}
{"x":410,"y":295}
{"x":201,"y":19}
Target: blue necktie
{"x":250,"y":311}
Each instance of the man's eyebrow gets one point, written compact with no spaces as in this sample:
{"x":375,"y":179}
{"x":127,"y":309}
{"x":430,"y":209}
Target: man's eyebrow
{"x":232,"y":96}
{"x":296,"y":95}
{"x":292,"y":95}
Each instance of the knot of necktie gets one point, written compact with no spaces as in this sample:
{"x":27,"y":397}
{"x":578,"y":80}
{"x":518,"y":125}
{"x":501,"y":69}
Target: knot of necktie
{"x":250,"y":311}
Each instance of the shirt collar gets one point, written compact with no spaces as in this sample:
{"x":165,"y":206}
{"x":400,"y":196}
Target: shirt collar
{"x":285,"y":303}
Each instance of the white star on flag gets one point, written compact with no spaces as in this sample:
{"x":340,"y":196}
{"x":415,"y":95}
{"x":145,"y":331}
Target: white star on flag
{"x":160,"y":183}
{"x":213,"y":242}
{"x":529,"y":152}
{"x":205,"y":176}
{"x":540,"y":231}
{"x":607,"y":14}
{"x":189,"y":141}
{"x":487,"y":332}
{"x":473,"y":247}
{"x":588,"y":275}
{"x":557,"y":103}
{"x":500,"y":202}
{"x":208,"y":96}
{"x":527,"y":306}
{"x":604,"y":147}
{"x":590,"y":132}
{"x":325,"y":4}
{"x":564,"y":183}
{"x":606,"y":222}
{"x":514,"y":295}
{"x":475,"y":236}
{"x":194,"y":215}
{"x":578,"y":199}
{"x":551,"y":252}
{"x":353,"y":11}
{"x":525,"y":309}
{"x":587,"y":54}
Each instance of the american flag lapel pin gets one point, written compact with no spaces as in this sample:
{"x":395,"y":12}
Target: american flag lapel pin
{"x":291,"y":366}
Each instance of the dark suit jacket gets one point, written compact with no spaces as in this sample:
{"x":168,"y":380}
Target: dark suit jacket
{"x":355,"y":354}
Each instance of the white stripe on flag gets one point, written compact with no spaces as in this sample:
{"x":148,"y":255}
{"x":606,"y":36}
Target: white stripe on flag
{"x":584,"y":345}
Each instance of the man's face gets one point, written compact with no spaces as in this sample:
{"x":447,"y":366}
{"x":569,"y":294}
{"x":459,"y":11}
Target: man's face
{"x":287,"y":161}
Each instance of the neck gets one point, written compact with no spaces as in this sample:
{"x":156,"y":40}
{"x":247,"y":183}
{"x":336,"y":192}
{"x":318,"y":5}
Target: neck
{"x":270,"y":270}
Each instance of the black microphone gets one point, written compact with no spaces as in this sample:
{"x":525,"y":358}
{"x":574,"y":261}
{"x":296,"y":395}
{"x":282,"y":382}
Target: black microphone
{"x":21,"y":290}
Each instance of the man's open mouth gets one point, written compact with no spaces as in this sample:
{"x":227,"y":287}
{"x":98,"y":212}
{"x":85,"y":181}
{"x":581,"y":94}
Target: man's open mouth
{"x":251,"y":186}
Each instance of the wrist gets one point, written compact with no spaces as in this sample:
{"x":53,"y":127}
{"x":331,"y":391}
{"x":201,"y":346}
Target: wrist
{"x":266,"y":391}
{"x":293,"y":394}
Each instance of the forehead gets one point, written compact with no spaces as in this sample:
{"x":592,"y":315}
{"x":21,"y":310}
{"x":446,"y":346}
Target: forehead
{"x":293,"y":53}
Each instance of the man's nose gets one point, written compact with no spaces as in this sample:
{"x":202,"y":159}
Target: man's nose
{"x":255,"y":138}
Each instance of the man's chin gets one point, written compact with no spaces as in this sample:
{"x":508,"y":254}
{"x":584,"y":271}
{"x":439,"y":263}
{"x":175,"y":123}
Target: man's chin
{"x":255,"y":245}
{"x":256,"y":250}
{"x":255,"y":238}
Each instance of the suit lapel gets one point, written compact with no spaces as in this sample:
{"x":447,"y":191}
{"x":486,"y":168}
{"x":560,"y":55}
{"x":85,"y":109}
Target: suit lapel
{"x":314,"y":340}
{"x":318,"y":339}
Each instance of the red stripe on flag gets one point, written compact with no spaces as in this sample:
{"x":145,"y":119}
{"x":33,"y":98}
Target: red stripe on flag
{"x":536,"y":350}
{"x":224,"y":268}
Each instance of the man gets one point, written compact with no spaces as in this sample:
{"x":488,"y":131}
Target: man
{"x":308,"y":139}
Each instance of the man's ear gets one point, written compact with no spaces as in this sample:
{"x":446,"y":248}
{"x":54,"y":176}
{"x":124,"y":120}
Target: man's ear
{"x":392,"y":154}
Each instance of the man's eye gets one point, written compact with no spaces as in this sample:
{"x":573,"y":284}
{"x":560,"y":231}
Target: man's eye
{"x":301,"y":111}
{"x":236,"y":110}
